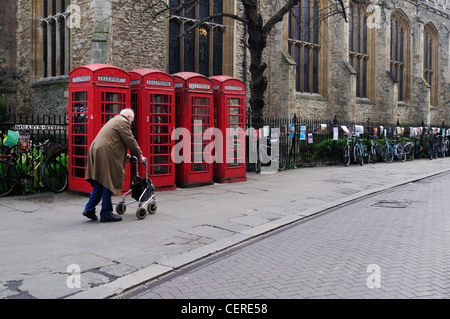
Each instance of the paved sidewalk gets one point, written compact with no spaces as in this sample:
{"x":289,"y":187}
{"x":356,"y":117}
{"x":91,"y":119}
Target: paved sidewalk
{"x":44,"y":238}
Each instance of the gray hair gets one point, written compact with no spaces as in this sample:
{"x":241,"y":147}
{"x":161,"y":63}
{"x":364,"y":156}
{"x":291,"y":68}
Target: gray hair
{"x":127,"y":112}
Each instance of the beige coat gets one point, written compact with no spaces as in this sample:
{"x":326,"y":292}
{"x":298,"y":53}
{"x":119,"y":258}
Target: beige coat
{"x":107,"y":156}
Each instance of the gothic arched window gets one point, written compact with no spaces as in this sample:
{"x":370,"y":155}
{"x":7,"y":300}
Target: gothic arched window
{"x":198,"y":50}
{"x":306,"y":46}
{"x":431,"y":60}
{"x":360,"y":50}
{"x":53,"y":43}
{"x":399,"y":58}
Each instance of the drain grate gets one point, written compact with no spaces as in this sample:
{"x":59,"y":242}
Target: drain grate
{"x":391,"y":204}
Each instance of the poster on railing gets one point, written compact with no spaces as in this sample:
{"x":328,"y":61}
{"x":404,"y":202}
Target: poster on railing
{"x":359,"y":129}
{"x":266,"y":130}
{"x":291,"y":130}
{"x":335,"y":133}
{"x":282,"y":131}
{"x":302,"y":132}
{"x":310,"y":138}
{"x":345,"y":129}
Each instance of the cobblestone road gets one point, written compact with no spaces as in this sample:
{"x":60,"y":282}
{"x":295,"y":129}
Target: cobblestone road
{"x":390,"y":245}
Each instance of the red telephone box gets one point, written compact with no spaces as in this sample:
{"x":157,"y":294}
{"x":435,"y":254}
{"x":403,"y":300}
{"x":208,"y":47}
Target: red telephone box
{"x":194,"y":110}
{"x":97,"y":92}
{"x":153,"y":101}
{"x":229,"y":117}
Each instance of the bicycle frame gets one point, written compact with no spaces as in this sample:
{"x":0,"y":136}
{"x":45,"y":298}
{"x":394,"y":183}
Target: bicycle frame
{"x":26,"y":168}
{"x":263,"y":150}
{"x":27,"y":171}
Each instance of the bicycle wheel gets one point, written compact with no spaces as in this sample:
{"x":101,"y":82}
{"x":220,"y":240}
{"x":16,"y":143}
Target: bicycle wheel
{"x":282,"y":162}
{"x":409,"y":150}
{"x":387,"y":154}
{"x":373,"y":156}
{"x":357,"y":153}
{"x":430,"y":151}
{"x":54,"y":175}
{"x":366,"y":154}
{"x":7,"y":178}
{"x":401,"y":154}
{"x":347,"y":155}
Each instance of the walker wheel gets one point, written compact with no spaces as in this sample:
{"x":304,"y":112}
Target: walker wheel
{"x":141,"y":213}
{"x":121,"y":208}
{"x":151,"y":208}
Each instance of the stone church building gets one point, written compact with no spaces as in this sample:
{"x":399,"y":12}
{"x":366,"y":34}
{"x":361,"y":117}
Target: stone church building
{"x":390,"y":64}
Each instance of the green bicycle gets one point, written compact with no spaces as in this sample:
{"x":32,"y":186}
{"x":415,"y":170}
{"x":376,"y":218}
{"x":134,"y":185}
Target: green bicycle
{"x":22,"y":168}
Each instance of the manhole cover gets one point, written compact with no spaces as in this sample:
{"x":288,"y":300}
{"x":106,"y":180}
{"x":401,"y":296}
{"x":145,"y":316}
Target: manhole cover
{"x":391,"y":204}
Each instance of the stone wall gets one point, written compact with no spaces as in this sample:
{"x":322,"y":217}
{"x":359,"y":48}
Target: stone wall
{"x":117,"y":32}
{"x":8,"y":26}
{"x":340,"y":98}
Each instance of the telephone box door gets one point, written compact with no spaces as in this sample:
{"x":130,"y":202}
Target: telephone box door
{"x":194,"y":113}
{"x":160,"y":107}
{"x":153,"y":97}
{"x":230,"y":119}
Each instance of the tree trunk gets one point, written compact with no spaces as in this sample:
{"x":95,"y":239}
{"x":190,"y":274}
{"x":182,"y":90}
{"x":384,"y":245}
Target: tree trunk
{"x":257,"y":42}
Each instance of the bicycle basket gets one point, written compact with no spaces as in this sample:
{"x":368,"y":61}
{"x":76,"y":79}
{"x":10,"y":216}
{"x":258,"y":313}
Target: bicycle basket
{"x":52,"y":150}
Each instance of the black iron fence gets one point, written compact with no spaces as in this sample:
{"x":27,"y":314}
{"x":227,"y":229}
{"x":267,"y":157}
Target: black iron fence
{"x":305,"y":142}
{"x":38,"y":127}
{"x":315,"y":142}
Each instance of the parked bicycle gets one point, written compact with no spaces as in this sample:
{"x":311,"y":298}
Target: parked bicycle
{"x":446,"y":144}
{"x":265,"y":154}
{"x":431,"y":147}
{"x":21,"y":167}
{"x":348,"y":147}
{"x":409,"y":148}
{"x":374,"y":150}
{"x":441,"y":146}
{"x":388,"y":151}
{"x":360,"y":152}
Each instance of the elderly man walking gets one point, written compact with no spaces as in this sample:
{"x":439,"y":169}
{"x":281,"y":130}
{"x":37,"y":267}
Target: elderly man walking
{"x":106,"y":164}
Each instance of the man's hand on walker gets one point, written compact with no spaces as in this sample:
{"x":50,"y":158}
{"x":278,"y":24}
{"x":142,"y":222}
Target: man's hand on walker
{"x":142,"y":159}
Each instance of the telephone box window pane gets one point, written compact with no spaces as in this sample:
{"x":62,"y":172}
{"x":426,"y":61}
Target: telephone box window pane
{"x":161,"y":129}
{"x":235,"y":102}
{"x":163,"y":119}
{"x":112,"y":97}
{"x":112,"y":108}
{"x":161,"y":149}
{"x":200,"y":110}
{"x":200,"y":101}
{"x":79,"y":96}
{"x":159,"y":139}
{"x":200,"y":167}
{"x":162,"y":109}
{"x":161,"y":99}
{"x":235,"y":119}
{"x":161,"y":170}
{"x":79,"y":161}
{"x":78,"y":172}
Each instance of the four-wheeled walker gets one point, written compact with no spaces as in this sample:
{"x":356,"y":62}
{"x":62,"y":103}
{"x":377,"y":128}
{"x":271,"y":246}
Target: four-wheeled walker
{"x":142,"y":191}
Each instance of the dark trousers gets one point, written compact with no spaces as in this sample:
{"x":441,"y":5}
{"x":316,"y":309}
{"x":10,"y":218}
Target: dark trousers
{"x":100,"y":193}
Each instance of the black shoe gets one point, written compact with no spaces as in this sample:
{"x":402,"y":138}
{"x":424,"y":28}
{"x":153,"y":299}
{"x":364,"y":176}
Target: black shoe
{"x":90,"y":214}
{"x":111,"y":218}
